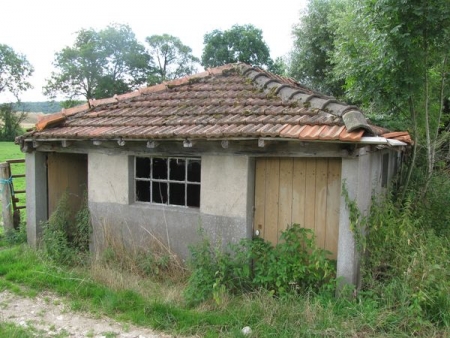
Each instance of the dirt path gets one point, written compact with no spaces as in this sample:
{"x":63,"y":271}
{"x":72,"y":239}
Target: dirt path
{"x":49,"y":315}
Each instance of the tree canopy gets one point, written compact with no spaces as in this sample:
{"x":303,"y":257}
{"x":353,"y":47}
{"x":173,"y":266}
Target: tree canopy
{"x":238,"y":44}
{"x":14,"y":71}
{"x":390,"y":56}
{"x":314,"y":39}
{"x":10,"y":122}
{"x":100,"y":64}
{"x":171,"y":57}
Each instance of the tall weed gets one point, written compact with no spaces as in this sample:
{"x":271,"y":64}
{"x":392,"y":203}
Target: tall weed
{"x":407,"y":264}
{"x":149,"y":257}
{"x":66,"y":237}
{"x":292,"y":266}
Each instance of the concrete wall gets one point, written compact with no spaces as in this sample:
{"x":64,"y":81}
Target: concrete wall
{"x":362,"y":178}
{"x":109,"y":178}
{"x":226,"y":204}
{"x":36,"y":186}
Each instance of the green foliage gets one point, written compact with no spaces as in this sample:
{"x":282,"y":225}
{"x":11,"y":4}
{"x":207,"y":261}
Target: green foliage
{"x":17,"y":236}
{"x":151,"y":304}
{"x":238,"y":44}
{"x":172,"y":58}
{"x":384,"y":49}
{"x":70,"y":103}
{"x":15,"y":331}
{"x":142,"y":262}
{"x":279,"y":66}
{"x":10,"y":122}
{"x":83,"y":229}
{"x":314,"y":39}
{"x":297,"y":264}
{"x":293,"y":266}
{"x":99,"y":64}
{"x":66,"y":237}
{"x":407,"y":264}
{"x":55,"y":233}
{"x":391,"y":58}
{"x":14,"y":71}
{"x":434,"y":211}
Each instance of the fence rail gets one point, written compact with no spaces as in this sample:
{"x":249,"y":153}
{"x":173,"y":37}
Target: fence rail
{"x":9,"y":199}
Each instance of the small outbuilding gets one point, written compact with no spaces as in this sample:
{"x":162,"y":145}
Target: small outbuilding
{"x":236,"y":150}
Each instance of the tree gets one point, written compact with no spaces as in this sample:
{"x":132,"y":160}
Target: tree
{"x":279,"y":67}
{"x":238,"y":44}
{"x":393,"y":57}
{"x":314,"y":39}
{"x":171,"y":57}
{"x":99,"y":64}
{"x":14,"y":71}
{"x":10,"y":122}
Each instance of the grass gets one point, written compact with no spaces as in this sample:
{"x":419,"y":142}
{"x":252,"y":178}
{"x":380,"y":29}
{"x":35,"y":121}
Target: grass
{"x":15,"y":331}
{"x":160,"y":305}
{"x":9,"y":151}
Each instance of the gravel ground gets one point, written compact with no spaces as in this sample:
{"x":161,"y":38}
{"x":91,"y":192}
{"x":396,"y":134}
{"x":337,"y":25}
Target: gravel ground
{"x":49,"y":315}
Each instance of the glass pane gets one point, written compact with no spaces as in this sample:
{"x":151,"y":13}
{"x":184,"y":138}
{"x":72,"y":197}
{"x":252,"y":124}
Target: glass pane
{"x":142,"y":167}
{"x":159,"y":193}
{"x":143,"y":191}
{"x":194,"y":171}
{"x":160,"y":168}
{"x":193,"y":195}
{"x":177,"y":169}
{"x":177,"y":194}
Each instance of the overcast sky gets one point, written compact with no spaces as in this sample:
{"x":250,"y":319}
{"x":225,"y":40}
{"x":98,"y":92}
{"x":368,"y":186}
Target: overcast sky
{"x":40,"y":28}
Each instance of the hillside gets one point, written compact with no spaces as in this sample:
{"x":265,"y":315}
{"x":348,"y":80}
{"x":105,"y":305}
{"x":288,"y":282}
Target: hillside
{"x":46,"y":107}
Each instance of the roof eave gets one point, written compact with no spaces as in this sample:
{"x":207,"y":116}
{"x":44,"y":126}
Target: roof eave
{"x":369,"y":140}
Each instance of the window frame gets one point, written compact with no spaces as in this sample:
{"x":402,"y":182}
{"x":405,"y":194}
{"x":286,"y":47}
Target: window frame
{"x":167,"y":181}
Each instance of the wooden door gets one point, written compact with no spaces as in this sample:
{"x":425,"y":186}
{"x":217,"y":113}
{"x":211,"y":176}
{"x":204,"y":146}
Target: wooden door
{"x":66,"y":172}
{"x":298,"y":190}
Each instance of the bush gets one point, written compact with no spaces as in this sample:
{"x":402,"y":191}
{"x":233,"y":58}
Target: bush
{"x":18,"y":236}
{"x":407,"y":263}
{"x":294,"y":265}
{"x":65,"y":237}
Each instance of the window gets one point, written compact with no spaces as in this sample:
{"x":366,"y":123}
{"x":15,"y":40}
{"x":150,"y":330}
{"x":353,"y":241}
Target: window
{"x":168,"y":180}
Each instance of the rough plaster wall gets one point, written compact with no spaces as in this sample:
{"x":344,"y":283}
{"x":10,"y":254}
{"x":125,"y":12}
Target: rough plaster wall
{"x":109,"y":178}
{"x":394,"y":164}
{"x":141,"y":226}
{"x":225,"y":214}
{"x":224,"y":189}
{"x":356,"y":177}
{"x":377,"y":168}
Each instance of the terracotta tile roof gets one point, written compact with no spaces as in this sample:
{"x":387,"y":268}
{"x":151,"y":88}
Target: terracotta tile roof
{"x":232,"y":101}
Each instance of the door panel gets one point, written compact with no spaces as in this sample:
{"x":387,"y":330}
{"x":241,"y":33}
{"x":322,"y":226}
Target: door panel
{"x":298,"y":190}
{"x":66,"y":172}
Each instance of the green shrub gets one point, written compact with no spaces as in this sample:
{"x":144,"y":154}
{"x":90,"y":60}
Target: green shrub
{"x":83,"y":227}
{"x":65,"y":237}
{"x":17,"y":236}
{"x":407,"y":263}
{"x":294,"y":265}
{"x":433,"y":208}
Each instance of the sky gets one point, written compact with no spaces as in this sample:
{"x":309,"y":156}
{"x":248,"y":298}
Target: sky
{"x":40,"y":28}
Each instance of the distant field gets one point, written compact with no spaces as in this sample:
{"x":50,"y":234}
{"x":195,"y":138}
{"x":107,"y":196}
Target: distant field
{"x":9,"y":151}
{"x":31,"y":120}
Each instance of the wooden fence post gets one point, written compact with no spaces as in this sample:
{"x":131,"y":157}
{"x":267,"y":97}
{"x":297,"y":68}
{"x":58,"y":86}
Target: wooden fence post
{"x":6,"y":196}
